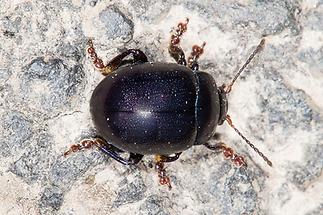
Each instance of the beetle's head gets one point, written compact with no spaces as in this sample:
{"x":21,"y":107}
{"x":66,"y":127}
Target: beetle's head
{"x":223,"y":104}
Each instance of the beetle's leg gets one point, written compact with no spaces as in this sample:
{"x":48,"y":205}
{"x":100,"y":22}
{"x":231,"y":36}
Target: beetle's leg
{"x":197,"y":51}
{"x":106,"y":148}
{"x":160,"y":168}
{"x":84,"y":144}
{"x":174,"y":48}
{"x":138,"y":56}
{"x":228,"y":153}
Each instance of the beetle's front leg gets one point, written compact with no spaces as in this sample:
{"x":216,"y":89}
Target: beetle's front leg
{"x":138,"y":56}
{"x":228,"y":153}
{"x":197,"y":51}
{"x":174,"y":48}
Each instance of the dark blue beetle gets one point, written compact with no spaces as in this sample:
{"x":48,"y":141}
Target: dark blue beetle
{"x":161,"y":109}
{"x":157,"y":108}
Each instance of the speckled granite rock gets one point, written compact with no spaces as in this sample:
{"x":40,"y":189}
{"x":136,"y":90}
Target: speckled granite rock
{"x":46,"y":81}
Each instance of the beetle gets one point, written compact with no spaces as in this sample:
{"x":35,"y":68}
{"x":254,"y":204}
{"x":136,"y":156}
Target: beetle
{"x":160,"y":109}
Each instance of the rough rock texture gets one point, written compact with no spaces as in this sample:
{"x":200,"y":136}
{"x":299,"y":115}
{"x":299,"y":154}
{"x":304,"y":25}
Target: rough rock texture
{"x":46,"y":81}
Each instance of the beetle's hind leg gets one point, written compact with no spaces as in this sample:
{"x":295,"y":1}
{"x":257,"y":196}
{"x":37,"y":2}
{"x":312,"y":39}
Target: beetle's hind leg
{"x":197,"y":51}
{"x":108,"y":149}
{"x":161,"y":170}
{"x":228,"y":153}
{"x":112,"y":65}
{"x":174,"y":47}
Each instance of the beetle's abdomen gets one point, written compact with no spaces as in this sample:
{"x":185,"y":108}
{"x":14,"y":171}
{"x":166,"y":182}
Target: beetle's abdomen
{"x":147,"y":108}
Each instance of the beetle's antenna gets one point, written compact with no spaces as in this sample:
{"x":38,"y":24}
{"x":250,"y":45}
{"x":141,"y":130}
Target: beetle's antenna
{"x":229,"y":121}
{"x":228,"y":88}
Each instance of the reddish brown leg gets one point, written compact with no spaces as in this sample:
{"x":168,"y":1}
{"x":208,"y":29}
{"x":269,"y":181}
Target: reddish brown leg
{"x":106,"y":148}
{"x":228,"y":153}
{"x":160,"y":168}
{"x":174,"y":48}
{"x":138,"y":56}
{"x":197,"y":51}
{"x":98,"y":63}
{"x":84,"y":144}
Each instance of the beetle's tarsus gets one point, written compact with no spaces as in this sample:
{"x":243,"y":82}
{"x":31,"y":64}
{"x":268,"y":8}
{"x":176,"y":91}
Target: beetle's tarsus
{"x":160,"y":168}
{"x":98,"y":63}
{"x":84,"y":144}
{"x":228,"y":153}
{"x":197,"y":51}
{"x":174,"y":48}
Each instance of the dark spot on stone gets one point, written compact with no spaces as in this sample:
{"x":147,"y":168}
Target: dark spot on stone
{"x":58,"y":84}
{"x":117,"y":24}
{"x":44,"y":23}
{"x":24,"y":7}
{"x":312,"y":57}
{"x":92,"y":3}
{"x":8,"y":33}
{"x":130,"y":192}
{"x":33,"y":164}
{"x":71,"y":51}
{"x":17,"y":132}
{"x":311,"y":169}
{"x":5,"y":74}
{"x":65,"y":171}
{"x":11,"y":24}
{"x":153,"y":205}
{"x":6,"y":98}
{"x":51,"y":199}
{"x":237,"y":195}
{"x":293,"y":17}
{"x":285,"y":107}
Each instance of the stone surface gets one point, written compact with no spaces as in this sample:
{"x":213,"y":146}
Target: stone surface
{"x":46,"y":81}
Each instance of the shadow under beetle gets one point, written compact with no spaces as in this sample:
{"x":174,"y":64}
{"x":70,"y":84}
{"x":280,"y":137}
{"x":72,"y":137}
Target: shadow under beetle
{"x":159,"y":109}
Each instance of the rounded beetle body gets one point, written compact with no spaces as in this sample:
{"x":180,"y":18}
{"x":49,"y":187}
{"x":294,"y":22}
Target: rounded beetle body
{"x":156,"y":108}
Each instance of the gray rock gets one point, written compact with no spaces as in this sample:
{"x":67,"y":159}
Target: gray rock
{"x":300,"y":175}
{"x":153,"y":205}
{"x":33,"y":162}
{"x":16,"y":135}
{"x":65,"y":171}
{"x":5,"y":73}
{"x":58,"y":84}
{"x":149,"y":10}
{"x":316,"y":211}
{"x":130,"y":192}
{"x":116,"y":23}
{"x":51,"y":199}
